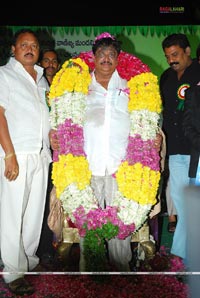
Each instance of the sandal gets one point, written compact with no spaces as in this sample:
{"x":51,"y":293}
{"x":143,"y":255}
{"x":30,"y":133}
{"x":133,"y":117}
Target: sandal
{"x":21,"y":287}
{"x":171,"y":227}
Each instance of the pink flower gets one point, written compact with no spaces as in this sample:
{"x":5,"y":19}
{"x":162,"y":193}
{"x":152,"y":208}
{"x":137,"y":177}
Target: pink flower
{"x":143,"y":152}
{"x":104,"y":35}
{"x":70,"y":138}
{"x":128,"y":64}
{"x":97,"y":218}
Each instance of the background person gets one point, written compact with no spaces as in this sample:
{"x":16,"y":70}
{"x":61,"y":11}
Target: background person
{"x":182,"y":73}
{"x":191,"y":128}
{"x":198,"y":53}
{"x":191,"y":125}
{"x":24,"y":159}
{"x":192,"y":207}
{"x":171,"y":211}
{"x":50,"y":61}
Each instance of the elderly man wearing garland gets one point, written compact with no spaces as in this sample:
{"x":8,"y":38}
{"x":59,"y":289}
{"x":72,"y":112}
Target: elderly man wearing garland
{"x":106,"y":132}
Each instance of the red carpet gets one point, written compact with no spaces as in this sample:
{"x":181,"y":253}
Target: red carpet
{"x":105,"y":286}
{"x":67,"y":282}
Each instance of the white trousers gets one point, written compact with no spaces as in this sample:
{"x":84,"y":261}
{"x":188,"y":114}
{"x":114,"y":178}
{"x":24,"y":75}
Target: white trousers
{"x":119,"y":251}
{"x":21,"y":214}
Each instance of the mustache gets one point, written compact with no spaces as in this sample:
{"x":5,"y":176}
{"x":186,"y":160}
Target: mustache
{"x":27,"y":54}
{"x":106,"y":62}
{"x":50,"y":67}
{"x":173,"y":63}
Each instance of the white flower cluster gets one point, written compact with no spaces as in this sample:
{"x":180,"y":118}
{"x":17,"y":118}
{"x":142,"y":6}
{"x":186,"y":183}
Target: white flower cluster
{"x":72,"y":198}
{"x":129,"y":210}
{"x":71,"y":105}
{"x":144,"y":123}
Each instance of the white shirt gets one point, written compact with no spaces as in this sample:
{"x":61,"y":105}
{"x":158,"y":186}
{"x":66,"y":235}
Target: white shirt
{"x":107,"y":125}
{"x":25,"y":107}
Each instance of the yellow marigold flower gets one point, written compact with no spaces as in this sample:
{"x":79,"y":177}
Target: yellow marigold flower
{"x":73,"y":76}
{"x":138,"y":183}
{"x":70,"y":169}
{"x":144,"y":93}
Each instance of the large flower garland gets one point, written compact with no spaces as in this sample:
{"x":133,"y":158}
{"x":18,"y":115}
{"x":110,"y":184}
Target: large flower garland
{"x":138,"y":174}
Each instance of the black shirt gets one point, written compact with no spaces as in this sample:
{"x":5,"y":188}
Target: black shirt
{"x":191,"y":126}
{"x":173,"y":94}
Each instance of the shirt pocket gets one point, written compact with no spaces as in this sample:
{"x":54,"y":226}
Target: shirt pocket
{"x":121,"y":102}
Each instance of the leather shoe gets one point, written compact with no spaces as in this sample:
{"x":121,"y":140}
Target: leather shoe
{"x":21,"y":287}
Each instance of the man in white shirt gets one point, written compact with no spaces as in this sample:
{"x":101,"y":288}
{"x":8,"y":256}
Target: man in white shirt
{"x":24,"y":159}
{"x":106,"y":132}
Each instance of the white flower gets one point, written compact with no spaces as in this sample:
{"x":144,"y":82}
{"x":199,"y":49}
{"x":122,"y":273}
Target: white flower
{"x":71,"y":105}
{"x":129,"y":209}
{"x":72,"y":198}
{"x":144,"y":123}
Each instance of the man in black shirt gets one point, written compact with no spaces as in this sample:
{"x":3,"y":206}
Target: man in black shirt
{"x":183,"y":73}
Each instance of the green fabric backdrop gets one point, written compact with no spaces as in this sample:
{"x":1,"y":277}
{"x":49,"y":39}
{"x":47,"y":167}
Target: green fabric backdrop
{"x":142,"y":41}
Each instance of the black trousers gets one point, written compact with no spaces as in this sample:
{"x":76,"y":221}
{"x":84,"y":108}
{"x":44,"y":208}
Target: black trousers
{"x":46,"y":238}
